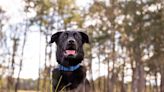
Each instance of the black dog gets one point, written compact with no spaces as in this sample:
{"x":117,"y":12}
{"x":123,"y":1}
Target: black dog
{"x":70,"y":75}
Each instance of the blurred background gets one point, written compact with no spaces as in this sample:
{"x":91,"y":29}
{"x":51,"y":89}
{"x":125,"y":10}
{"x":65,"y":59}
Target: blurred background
{"x":126,"y":53}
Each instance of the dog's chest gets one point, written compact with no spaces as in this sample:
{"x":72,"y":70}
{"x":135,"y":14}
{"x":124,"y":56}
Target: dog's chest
{"x":72,"y":76}
{"x":69,"y":76}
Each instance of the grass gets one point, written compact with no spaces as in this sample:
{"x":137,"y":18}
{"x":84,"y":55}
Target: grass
{"x":59,"y":84}
{"x":27,"y":91}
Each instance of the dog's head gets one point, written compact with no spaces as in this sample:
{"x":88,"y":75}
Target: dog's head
{"x":69,"y":47}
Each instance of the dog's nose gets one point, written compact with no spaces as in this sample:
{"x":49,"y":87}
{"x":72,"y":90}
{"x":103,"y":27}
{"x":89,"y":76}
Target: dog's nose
{"x":71,"y":41}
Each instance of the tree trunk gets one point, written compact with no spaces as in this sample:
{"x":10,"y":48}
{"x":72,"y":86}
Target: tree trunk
{"x":99,"y":70}
{"x":141,"y":83}
{"x":123,"y":75}
{"x":21,"y":60}
{"x":90,"y":69}
{"x":10,"y":79}
{"x":107,"y":84}
{"x":38,"y":81}
{"x":134,"y":80}
{"x":138,"y":84}
{"x":156,"y":83}
{"x":162,"y":81}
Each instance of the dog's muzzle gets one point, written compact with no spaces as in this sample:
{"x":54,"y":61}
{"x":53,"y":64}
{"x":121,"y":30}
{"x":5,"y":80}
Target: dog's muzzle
{"x":71,"y":47}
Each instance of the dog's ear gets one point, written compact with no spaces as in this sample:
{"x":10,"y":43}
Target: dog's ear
{"x":85,"y":38}
{"x":54,"y":37}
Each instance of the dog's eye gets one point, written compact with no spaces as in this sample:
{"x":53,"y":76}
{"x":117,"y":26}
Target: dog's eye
{"x":65,"y":35}
{"x":75,"y":35}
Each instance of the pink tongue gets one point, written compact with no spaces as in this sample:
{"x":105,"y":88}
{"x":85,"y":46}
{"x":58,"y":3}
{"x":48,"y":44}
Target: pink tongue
{"x":70,"y":52}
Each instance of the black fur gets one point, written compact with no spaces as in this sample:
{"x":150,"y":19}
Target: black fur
{"x":69,"y":79}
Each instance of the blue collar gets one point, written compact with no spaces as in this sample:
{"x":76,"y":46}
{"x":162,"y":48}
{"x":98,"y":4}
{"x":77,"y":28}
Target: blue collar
{"x":70,"y":68}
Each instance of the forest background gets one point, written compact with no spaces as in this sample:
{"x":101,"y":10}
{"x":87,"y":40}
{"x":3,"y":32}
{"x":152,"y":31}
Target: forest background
{"x":126,"y":52}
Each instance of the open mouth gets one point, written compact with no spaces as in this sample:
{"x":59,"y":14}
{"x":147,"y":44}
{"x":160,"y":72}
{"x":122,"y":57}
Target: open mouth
{"x":70,"y":51}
